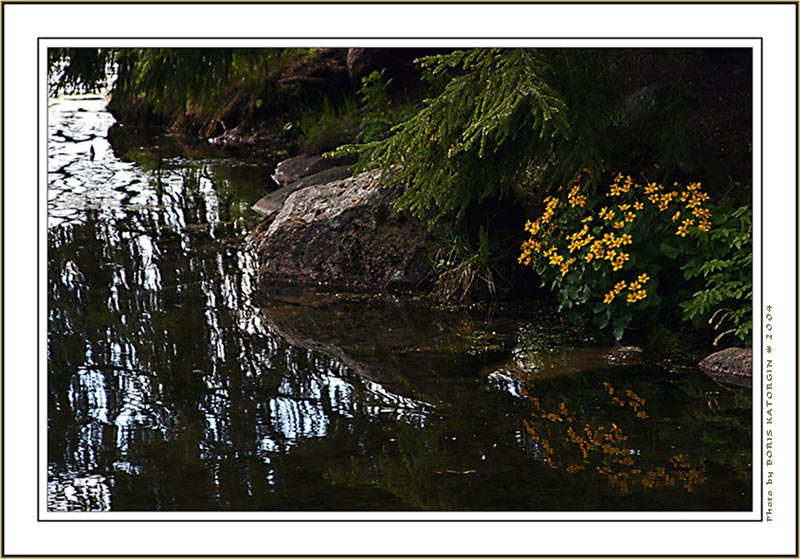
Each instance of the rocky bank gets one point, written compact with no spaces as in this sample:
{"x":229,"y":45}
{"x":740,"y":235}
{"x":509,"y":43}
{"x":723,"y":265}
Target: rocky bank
{"x":342,"y":234}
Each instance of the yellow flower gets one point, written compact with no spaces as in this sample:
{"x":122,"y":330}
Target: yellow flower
{"x":619,"y":224}
{"x":578,"y":201}
{"x":624,"y":207}
{"x":606,"y":214}
{"x":684,"y":228}
{"x":597,"y":249}
{"x":634,"y":285}
{"x":630,"y":216}
{"x":556,"y":259}
{"x":643,"y":278}
{"x":619,"y":262}
{"x":676,"y":216}
{"x":634,"y":296}
{"x":626,"y":186}
{"x":701,"y":213}
{"x":587,"y":219}
{"x":697,"y":199}
{"x":609,"y":297}
{"x":652,"y":188}
{"x":619,"y":286}
{"x":625,"y":239}
{"x":528,"y":248}
{"x":638,"y":206}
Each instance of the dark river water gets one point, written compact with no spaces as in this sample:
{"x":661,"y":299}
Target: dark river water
{"x":173,"y":386}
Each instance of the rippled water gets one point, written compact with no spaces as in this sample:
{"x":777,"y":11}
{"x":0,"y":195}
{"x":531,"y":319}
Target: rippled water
{"x":172,"y":385}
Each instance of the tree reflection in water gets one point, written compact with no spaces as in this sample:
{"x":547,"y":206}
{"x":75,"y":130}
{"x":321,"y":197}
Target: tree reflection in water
{"x":155,"y":350}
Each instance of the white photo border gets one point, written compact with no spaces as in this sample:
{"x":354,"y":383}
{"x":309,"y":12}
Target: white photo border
{"x":29,"y":29}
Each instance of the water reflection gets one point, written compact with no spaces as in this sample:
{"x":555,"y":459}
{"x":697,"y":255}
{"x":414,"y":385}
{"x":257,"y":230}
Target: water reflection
{"x":169,"y":389}
{"x":564,"y":440}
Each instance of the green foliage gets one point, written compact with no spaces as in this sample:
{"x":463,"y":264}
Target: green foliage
{"x":328,"y":125}
{"x":509,"y":121}
{"x":605,"y":254}
{"x":462,"y":269}
{"x":173,"y":80}
{"x":724,"y":265}
{"x":377,"y":114}
{"x":496,"y":111}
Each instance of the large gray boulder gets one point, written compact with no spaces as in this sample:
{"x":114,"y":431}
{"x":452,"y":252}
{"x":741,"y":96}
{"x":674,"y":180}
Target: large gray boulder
{"x":733,"y":365}
{"x":344,"y":235}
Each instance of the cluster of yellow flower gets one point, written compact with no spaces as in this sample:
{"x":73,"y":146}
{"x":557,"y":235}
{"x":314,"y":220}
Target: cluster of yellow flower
{"x":636,"y":290}
{"x":604,"y":239}
{"x":617,"y":189}
{"x":692,"y":199}
{"x":575,"y":198}
{"x":556,"y":259}
{"x":532,"y":245}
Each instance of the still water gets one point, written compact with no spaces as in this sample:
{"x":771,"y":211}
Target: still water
{"x":174,"y":386}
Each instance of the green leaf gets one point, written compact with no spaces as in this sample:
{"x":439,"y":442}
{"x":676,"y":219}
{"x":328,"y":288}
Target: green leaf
{"x":602,"y":320}
{"x":621,"y":323}
{"x":599,"y":307}
{"x":669,"y":250}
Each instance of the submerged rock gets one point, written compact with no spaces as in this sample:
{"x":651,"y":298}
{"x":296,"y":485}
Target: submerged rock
{"x":733,"y":365}
{"x":344,"y":235}
{"x":547,"y":362}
